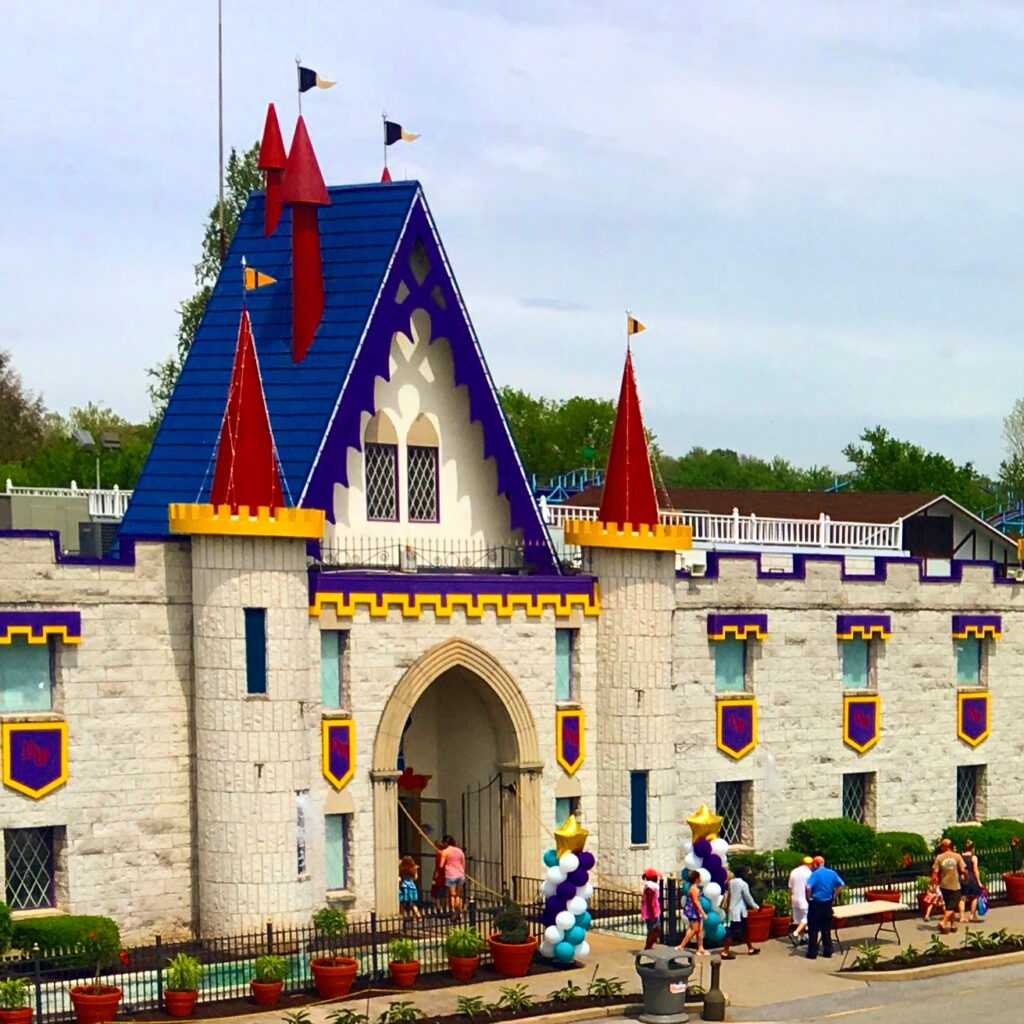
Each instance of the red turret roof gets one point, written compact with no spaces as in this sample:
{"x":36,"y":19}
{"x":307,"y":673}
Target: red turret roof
{"x":272,"y":154}
{"x":629,"y":495}
{"x":303,"y":182}
{"x":246,"y":472}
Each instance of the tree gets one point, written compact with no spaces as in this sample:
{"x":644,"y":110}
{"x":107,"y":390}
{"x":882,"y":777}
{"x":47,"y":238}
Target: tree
{"x":724,"y":468}
{"x":242,"y":177}
{"x":22,"y":414}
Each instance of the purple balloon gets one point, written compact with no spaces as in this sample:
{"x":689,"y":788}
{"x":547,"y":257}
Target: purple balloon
{"x":586,"y":859}
{"x":565,"y":891}
{"x":579,"y":877}
{"x":721,"y":876}
{"x":702,"y":848}
{"x":549,"y":915}
{"x":712,"y":862}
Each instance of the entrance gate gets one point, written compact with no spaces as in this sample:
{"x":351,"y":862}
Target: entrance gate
{"x":483,"y":811}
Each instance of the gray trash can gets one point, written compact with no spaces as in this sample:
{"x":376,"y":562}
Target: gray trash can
{"x":664,"y":973}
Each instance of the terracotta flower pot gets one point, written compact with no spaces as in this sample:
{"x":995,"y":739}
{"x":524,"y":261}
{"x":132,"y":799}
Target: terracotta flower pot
{"x":888,"y":895}
{"x":334,"y":975}
{"x":1014,"y":887}
{"x":22,"y":1015}
{"x":512,"y":959}
{"x":921,"y":905}
{"x":404,"y":974}
{"x":780,"y":926}
{"x":180,"y":1002}
{"x":95,"y":1004}
{"x":266,"y":993}
{"x":759,"y":923}
{"x":463,"y":966}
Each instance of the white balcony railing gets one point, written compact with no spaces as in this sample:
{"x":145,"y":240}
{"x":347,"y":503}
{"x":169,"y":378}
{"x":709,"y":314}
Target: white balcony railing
{"x":103,"y":504}
{"x":710,"y":530}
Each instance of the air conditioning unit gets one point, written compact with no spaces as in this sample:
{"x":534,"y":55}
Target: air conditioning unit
{"x":1018,"y":574}
{"x":695,"y":562}
{"x":406,"y":558}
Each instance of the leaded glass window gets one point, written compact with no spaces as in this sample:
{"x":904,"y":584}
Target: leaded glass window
{"x":967,"y":792}
{"x":855,"y":797}
{"x":729,"y":806}
{"x":423,"y":498}
{"x":29,"y":865}
{"x":382,"y":482}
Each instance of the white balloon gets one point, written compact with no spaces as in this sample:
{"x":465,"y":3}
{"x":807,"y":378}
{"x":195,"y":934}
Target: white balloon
{"x":546,"y":949}
{"x":687,"y":846}
{"x":568,"y":862}
{"x":565,"y":920}
{"x":713,"y":889}
{"x":553,"y":934}
{"x":705,"y":876}
{"x":720,"y":846}
{"x":690,"y":861}
{"x":582,"y":950}
{"x":577,"y":905}
{"x":548,"y":888}
{"x":556,"y":875}
{"x":715,"y":902}
{"x":586,"y":892}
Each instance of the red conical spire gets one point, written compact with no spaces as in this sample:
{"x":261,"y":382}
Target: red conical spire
{"x":385,"y":177}
{"x":272,"y":162}
{"x":629,"y":495}
{"x":303,"y":188}
{"x":246,"y":472}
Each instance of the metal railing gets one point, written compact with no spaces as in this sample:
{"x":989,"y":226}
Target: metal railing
{"x":417,"y":555}
{"x":610,"y":909}
{"x":107,"y":503}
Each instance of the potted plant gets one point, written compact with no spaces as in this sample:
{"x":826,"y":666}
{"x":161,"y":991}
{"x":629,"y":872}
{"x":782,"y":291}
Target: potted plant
{"x":921,"y":886}
{"x":95,"y":1002}
{"x":333,"y":975}
{"x":759,"y":922}
{"x":402,"y":963}
{"x":181,"y":984}
{"x":511,"y":944}
{"x":1014,"y":879}
{"x":270,"y":974}
{"x":783,"y":919}
{"x":14,"y":996}
{"x":464,"y":946}
{"x":888,"y":860}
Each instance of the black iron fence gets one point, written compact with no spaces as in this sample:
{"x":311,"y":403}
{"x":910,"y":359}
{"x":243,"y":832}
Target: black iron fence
{"x":228,"y":962}
{"x":610,"y":909}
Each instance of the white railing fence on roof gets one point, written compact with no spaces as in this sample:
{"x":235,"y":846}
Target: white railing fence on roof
{"x":103,"y":504}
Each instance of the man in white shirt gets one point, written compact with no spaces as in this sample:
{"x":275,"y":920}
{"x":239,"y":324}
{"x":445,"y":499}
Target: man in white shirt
{"x":798,"y":899}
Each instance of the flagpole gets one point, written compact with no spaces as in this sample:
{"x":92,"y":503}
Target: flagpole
{"x":298,"y":82}
{"x":384,"y":129}
{"x":220,"y":126}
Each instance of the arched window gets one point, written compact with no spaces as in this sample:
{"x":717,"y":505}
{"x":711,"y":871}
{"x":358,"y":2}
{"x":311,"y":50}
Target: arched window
{"x":424,"y":498}
{"x":380,"y":447}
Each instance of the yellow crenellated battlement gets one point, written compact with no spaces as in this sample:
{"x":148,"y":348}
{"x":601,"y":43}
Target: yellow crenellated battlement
{"x":590,"y":534}
{"x":299,"y":523}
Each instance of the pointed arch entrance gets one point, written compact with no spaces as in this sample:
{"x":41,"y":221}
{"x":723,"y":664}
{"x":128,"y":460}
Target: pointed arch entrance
{"x":463,"y":679}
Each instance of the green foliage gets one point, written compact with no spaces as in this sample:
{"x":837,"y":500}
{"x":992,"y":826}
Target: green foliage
{"x":838,"y":840}
{"x":606,"y":988}
{"x":696,"y":991}
{"x":567,"y":993}
{"x":101,"y":945}
{"x":22,"y":415}
{"x":936,"y":947}
{"x":14,"y":993}
{"x":270,"y":968}
{"x":868,"y":955}
{"x":780,"y":900}
{"x":888,"y":858}
{"x":905,"y":843}
{"x":723,"y":468}
{"x":63,"y":934}
{"x":515,"y":998}
{"x":977,"y":940}
{"x":465,"y":941}
{"x":332,"y":923}
{"x":922,"y":883}
{"x":509,"y":924}
{"x":182,"y":974}
{"x":6,"y":928}
{"x":758,"y":867}
{"x":401,"y":951}
{"x":400,"y":1012}
{"x":996,"y":834}
{"x":908,"y":957}
{"x":784,"y":860}
{"x":472,"y":1007}
{"x":346,"y":1015}
{"x":296,"y":1017}
{"x":242,"y":176}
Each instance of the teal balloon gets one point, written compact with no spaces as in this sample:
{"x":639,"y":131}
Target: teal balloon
{"x":705,"y":904}
{"x":584,"y":919}
{"x":574,"y":936}
{"x":564,"y":951}
{"x":719,"y":935}
{"x":550,"y":858}
{"x":712,"y":921}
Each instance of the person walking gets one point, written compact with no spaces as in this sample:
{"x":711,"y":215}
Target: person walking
{"x":798,"y":900}
{"x":740,"y":898}
{"x":408,"y":890}
{"x":950,"y":868}
{"x":650,"y":906}
{"x":438,"y":891}
{"x":453,"y":860}
{"x":694,"y":914}
{"x":822,"y":886}
{"x":971,"y":886}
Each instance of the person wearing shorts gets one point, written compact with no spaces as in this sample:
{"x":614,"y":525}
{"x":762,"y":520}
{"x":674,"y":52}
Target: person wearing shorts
{"x":740,"y":899}
{"x":950,"y":867}
{"x":798,"y":900}
{"x":453,"y":859}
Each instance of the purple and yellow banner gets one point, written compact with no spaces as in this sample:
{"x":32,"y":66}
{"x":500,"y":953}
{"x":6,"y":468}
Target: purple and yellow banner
{"x":339,"y":750}
{"x":570,"y":740}
{"x":751,"y":626}
{"x":38,"y":626}
{"x":35,"y":757}
{"x":862,"y":721}
{"x":737,"y":726}
{"x":980,"y":626}
{"x":863,"y":627}
{"x":973,"y":721}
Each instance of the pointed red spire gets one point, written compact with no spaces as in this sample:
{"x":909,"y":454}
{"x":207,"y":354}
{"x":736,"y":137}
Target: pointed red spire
{"x":272,"y":162}
{"x":246,"y":472}
{"x":385,"y":177}
{"x":303,"y":188}
{"x":629,"y":495}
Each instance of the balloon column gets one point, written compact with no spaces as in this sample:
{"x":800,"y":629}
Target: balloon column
{"x":708,"y":855}
{"x":567,"y":891}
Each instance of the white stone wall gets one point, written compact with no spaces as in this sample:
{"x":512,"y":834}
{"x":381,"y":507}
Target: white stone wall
{"x":125,"y":691}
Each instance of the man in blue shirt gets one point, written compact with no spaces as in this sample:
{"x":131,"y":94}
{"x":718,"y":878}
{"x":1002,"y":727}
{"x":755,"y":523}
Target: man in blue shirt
{"x":822,"y":887}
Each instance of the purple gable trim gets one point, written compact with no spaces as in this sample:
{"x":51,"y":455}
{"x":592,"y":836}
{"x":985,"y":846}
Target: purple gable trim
{"x":41,"y":620}
{"x":470,"y":370}
{"x":980,"y":623}
{"x":125,"y":548}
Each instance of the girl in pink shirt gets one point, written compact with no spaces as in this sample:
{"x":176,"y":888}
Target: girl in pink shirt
{"x":453,"y":860}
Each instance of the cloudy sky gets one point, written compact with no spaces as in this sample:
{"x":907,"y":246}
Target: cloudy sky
{"x":815,"y":206}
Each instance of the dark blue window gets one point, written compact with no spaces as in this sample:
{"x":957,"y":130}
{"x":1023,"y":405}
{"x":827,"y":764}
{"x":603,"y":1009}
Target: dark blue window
{"x":638,"y":808}
{"x":255,"y":650}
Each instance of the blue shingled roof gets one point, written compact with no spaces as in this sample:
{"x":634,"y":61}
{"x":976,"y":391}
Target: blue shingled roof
{"x":359,"y":232}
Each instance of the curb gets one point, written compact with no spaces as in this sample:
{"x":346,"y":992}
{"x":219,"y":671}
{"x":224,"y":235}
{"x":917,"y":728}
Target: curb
{"x":934,"y":970}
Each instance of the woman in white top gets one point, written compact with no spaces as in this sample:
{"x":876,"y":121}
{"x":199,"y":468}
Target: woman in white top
{"x":739,"y":899}
{"x":798,"y":898}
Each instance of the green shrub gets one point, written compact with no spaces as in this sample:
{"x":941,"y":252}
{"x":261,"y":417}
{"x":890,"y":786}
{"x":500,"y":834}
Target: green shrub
{"x":6,"y":928}
{"x":758,"y":867}
{"x":780,"y":900}
{"x":401,"y":951}
{"x":838,"y":840}
{"x":785,"y":860}
{"x":14,"y":993}
{"x":182,"y":974}
{"x":270,"y":968}
{"x":908,"y":843}
{"x":465,"y":941}
{"x":332,"y":923}
{"x":65,"y":934}
{"x":992,"y":835}
{"x":509,"y":924}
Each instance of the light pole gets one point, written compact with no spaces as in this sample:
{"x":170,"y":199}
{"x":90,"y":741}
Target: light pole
{"x":107,"y":440}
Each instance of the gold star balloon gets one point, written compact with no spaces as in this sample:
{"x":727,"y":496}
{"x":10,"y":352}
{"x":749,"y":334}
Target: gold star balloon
{"x":703,"y":824}
{"x":570,"y":838}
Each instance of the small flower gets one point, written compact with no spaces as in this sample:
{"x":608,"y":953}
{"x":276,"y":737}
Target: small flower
{"x":1015,"y":841}
{"x":125,"y":958}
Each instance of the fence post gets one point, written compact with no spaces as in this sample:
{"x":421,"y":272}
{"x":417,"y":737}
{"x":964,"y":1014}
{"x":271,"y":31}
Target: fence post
{"x":159,"y":974}
{"x":37,"y":977}
{"x":472,"y":912}
{"x":270,"y":937}
{"x":373,"y":941}
{"x":669,"y":910}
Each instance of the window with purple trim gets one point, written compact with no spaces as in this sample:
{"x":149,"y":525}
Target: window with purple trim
{"x":26,"y":675}
{"x":30,"y":859}
{"x":382,"y":482}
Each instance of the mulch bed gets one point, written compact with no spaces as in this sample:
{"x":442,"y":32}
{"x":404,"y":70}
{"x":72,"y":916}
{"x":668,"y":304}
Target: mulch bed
{"x":539,"y":1009}
{"x":925,"y":960}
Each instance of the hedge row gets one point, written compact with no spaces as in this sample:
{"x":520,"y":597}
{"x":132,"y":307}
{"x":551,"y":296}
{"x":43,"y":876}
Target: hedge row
{"x":64,"y":933}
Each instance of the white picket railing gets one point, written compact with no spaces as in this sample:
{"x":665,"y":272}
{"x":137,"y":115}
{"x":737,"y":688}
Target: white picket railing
{"x":711,"y":530}
{"x":103,"y":504}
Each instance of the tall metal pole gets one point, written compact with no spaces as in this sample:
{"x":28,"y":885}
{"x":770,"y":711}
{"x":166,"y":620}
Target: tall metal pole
{"x":220,"y":125}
